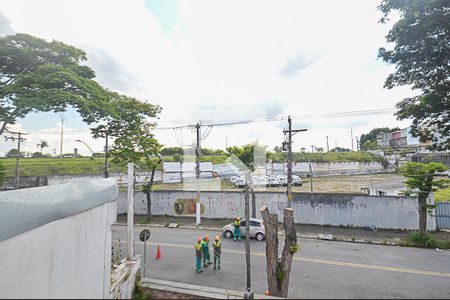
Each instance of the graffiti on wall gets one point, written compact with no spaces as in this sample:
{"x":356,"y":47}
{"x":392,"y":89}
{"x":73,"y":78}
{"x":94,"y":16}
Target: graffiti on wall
{"x":186,"y":207}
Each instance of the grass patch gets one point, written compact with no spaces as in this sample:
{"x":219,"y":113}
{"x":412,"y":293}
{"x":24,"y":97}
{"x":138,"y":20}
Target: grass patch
{"x":424,"y":240}
{"x":442,"y":195}
{"x":79,"y":166}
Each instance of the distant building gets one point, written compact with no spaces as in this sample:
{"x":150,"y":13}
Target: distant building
{"x":439,"y":157}
{"x":401,"y":139}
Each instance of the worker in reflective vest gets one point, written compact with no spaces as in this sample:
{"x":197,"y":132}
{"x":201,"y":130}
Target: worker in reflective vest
{"x":217,"y":246}
{"x":198,"y":255}
{"x":237,"y":228}
{"x":206,"y":256}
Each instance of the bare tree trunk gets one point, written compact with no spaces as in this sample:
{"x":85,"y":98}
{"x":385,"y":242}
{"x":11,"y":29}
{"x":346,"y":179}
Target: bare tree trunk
{"x":271,"y":226}
{"x":422,"y":212}
{"x":253,"y":204}
{"x":279,"y":269}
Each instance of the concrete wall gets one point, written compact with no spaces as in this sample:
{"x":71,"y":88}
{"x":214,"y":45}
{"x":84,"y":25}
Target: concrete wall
{"x":55,"y":241}
{"x":396,"y":212}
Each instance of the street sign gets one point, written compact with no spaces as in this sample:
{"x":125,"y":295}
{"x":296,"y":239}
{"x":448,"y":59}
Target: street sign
{"x":144,"y":235}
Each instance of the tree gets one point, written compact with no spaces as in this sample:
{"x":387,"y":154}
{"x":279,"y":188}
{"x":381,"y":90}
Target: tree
{"x":421,"y":55}
{"x":279,"y":268}
{"x":133,"y":137}
{"x":171,"y":150}
{"x":369,"y":144}
{"x":372,"y":135}
{"x":36,"y":75}
{"x":43,"y":144}
{"x":13,"y":153}
{"x":245,"y":153}
{"x":421,"y":182}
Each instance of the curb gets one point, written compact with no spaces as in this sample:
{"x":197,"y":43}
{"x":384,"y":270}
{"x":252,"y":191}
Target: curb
{"x":314,"y":237}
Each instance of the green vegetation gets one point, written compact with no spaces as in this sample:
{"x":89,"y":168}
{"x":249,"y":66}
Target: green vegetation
{"x":419,"y":50}
{"x":442,"y":195}
{"x":425,"y":240}
{"x":357,"y":156}
{"x":421,"y":182}
{"x":2,"y":174}
{"x":78,"y":166}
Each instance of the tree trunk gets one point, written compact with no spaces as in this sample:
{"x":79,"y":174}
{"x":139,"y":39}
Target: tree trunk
{"x":271,"y":226}
{"x":148,"y":191}
{"x":423,"y":212}
{"x":279,"y":269}
{"x":3,"y":127}
{"x":253,"y":204}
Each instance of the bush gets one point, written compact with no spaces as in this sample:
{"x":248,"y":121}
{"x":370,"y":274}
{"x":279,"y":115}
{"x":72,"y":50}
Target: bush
{"x":424,"y":240}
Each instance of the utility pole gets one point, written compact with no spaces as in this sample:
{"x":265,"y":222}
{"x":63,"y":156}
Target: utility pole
{"x":61,"y":116}
{"x":357,"y":144}
{"x":226,"y":142}
{"x":19,"y":139}
{"x":312,"y":148}
{"x":310,"y":178}
{"x":130,"y":210}
{"x":197,"y":173}
{"x":106,"y":155}
{"x":351,"y":136}
{"x":328,"y":147}
{"x":290,"y":133}
{"x":248,"y":294}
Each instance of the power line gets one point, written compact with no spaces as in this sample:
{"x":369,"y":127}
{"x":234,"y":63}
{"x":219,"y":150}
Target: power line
{"x":305,"y":116}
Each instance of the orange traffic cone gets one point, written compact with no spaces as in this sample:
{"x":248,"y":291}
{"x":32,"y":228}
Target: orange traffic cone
{"x":158,"y":253}
{"x":267,"y":293}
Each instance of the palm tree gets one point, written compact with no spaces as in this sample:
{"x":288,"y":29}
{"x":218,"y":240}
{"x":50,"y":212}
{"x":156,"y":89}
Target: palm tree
{"x":43,"y":144}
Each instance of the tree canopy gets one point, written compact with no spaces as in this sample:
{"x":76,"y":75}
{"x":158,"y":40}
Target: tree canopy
{"x":36,"y":75}
{"x":421,"y":54}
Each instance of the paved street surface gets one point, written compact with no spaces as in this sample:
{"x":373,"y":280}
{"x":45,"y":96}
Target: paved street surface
{"x":322,"y":269}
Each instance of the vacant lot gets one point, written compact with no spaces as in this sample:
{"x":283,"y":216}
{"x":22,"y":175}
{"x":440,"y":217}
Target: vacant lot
{"x":328,"y":184}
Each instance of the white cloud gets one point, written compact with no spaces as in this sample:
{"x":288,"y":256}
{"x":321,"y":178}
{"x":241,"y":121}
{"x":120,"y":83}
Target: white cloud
{"x":228,"y":54}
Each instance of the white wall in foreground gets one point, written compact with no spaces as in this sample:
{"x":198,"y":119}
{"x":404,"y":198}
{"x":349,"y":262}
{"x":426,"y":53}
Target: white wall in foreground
{"x":67,"y":258}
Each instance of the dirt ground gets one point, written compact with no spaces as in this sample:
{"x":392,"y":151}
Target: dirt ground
{"x":327,"y":184}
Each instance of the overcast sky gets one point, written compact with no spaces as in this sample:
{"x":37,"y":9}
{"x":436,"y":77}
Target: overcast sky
{"x":210,"y":61}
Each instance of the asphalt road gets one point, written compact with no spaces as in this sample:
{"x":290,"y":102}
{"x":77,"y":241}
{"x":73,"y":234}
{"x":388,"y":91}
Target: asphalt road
{"x":321,"y":269}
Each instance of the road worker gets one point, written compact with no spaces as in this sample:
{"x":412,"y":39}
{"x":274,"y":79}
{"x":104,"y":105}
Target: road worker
{"x":217,"y":246}
{"x":205,"y":247}
{"x":198,"y":255}
{"x":237,"y":228}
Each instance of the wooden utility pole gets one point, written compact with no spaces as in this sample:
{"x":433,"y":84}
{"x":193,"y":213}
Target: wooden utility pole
{"x":310,"y":178}
{"x":197,"y":174}
{"x":290,"y":133}
{"x":19,"y":139}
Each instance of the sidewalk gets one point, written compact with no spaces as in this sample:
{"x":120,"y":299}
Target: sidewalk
{"x":346,"y":234}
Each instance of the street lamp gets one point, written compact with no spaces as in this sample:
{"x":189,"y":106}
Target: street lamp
{"x":85,"y":145}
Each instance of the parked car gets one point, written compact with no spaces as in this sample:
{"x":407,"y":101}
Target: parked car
{"x":257,"y":229}
{"x":296,"y":180}
{"x":240,"y":183}
{"x":273,"y":182}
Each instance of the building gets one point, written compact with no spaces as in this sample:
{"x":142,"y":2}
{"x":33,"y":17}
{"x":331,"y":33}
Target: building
{"x":401,"y":139}
{"x":439,"y":157}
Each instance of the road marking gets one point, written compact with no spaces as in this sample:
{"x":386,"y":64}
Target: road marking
{"x":315,"y":261}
